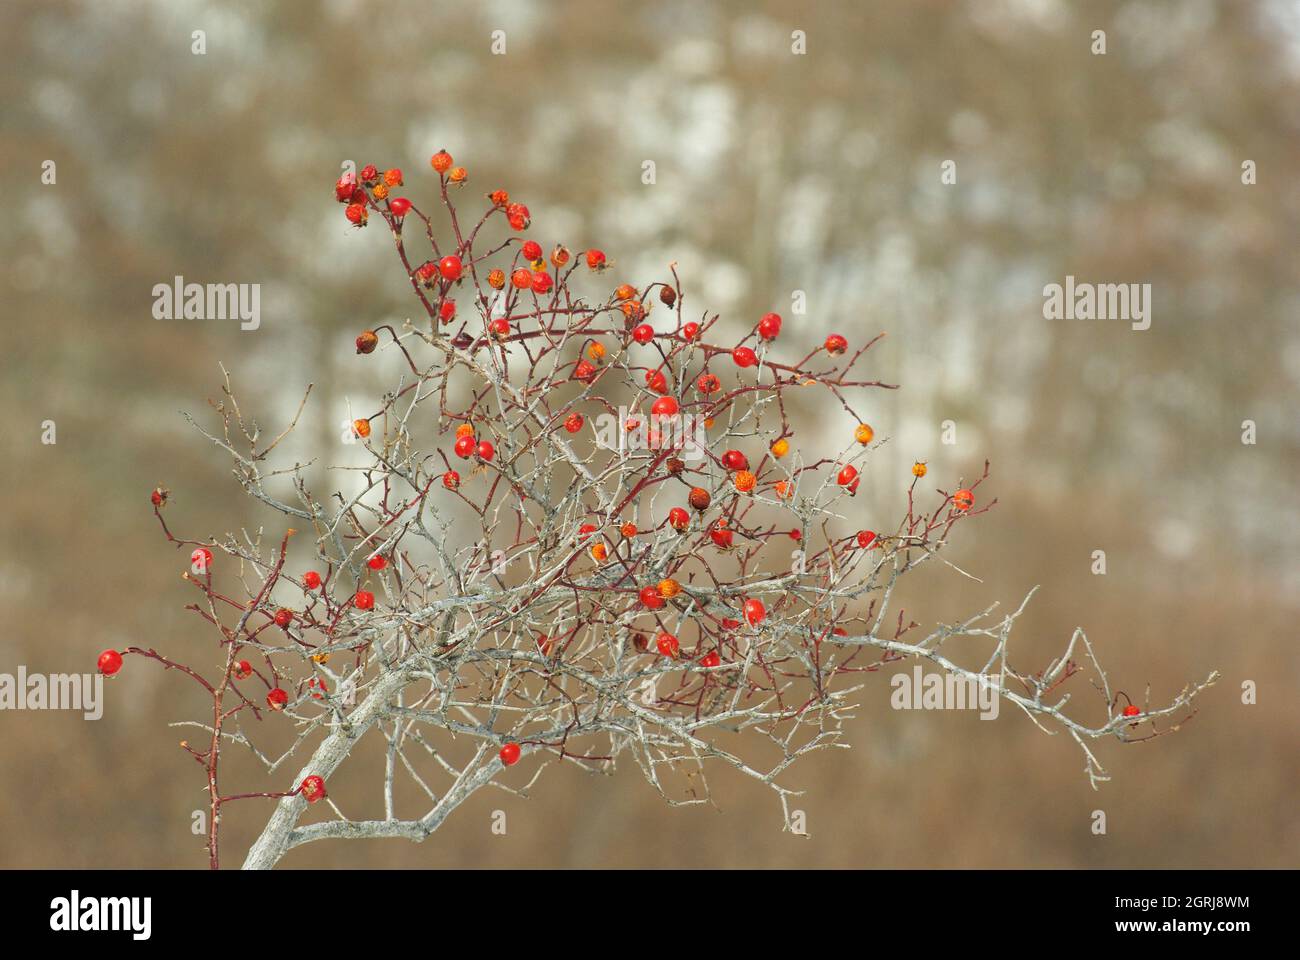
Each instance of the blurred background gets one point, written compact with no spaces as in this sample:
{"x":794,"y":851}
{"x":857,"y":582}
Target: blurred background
{"x":776,"y":172}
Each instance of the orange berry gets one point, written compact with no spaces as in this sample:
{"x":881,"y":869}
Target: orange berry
{"x":625,"y":292}
{"x":465,"y":430}
{"x":499,"y":198}
{"x":361,"y":428}
{"x":393,"y":177}
{"x":669,"y":588}
{"x":381,"y":191}
{"x":628,"y":530}
{"x":963,"y":499}
{"x":497,"y":278}
{"x":918,"y":469}
{"x":559,"y":256}
{"x":599,"y":552}
{"x":458,"y":175}
{"x":596,"y":350}
{"x":441,"y":161}
{"x":782,"y":488}
{"x":780,"y":448}
{"x":863,"y":434}
{"x":744,"y":481}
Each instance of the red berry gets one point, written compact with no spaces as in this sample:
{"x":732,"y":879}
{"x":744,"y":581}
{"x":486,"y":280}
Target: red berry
{"x":667,"y":644}
{"x":450,"y":267}
{"x":710,"y":659}
{"x":510,"y":754}
{"x":451,"y":479}
{"x":447,"y":311}
{"x":665,"y":407}
{"x":796,"y":534}
{"x":644,"y":333}
{"x":518,"y":216}
{"x":283,"y":617}
{"x":963,"y":499}
{"x":573,"y":422}
{"x":584,"y":370}
{"x":769,"y":328}
{"x":532,"y":250}
{"x":344,"y":186}
{"x":426,"y":272}
{"x":377,"y":562}
{"x":465,"y":446}
{"x":679,"y":519}
{"x":158,"y":497}
{"x":313,"y":788}
{"x":364,"y":600}
{"x":485,"y":450}
{"x":585,"y":531}
{"x":399,"y":206}
{"x":735,"y":460}
{"x":866,"y":538}
{"x":656,"y":381}
{"x":110,"y":661}
{"x":755,"y":612}
{"x":649,"y":597}
{"x":1131,"y":710}
{"x":729,"y":624}
{"x":708,"y":383}
{"x":541,"y":282}
{"x":276,"y":699}
{"x":311,"y":579}
{"x":318,"y":687}
{"x":596,"y":259}
{"x":243,"y":670}
{"x":721,"y":536}
{"x":744,"y":357}
{"x":500,"y":328}
{"x":835,"y":344}
{"x":201,"y":560}
{"x":847,"y":475}
{"x":356,"y":214}
{"x":690,"y":330}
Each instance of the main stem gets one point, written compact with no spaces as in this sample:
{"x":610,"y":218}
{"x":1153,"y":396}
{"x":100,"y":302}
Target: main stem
{"x":333,"y":750}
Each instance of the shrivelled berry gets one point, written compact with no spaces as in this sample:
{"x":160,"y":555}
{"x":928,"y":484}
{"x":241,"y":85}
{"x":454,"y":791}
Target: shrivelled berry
{"x":699,"y":498}
{"x":367,"y":340}
{"x":667,"y":296}
{"x":708,"y":383}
